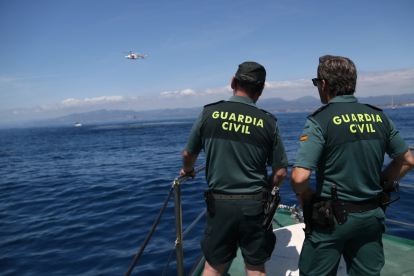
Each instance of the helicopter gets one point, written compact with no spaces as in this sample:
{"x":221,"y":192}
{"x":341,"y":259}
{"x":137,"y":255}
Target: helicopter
{"x":132,"y":55}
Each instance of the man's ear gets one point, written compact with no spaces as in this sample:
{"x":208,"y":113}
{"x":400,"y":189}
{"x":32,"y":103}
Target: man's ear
{"x":261,"y":91}
{"x":325,"y":87}
{"x":232,"y":82}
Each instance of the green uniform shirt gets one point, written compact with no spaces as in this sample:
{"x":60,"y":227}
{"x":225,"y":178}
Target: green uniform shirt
{"x":345,"y":143}
{"x":238,"y":140}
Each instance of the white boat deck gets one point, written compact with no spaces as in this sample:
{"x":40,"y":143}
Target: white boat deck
{"x":285,"y":257}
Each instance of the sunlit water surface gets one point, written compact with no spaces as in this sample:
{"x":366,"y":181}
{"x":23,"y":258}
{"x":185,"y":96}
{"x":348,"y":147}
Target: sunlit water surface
{"x":81,"y":200}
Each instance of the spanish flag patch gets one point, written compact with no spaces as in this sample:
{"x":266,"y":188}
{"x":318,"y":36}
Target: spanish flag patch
{"x":303,"y":138}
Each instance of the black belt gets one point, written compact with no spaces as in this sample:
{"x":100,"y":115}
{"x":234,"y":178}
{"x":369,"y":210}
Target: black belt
{"x":257,"y":196}
{"x":361,"y":206}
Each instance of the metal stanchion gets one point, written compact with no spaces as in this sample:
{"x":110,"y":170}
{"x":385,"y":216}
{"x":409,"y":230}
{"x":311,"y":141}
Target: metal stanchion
{"x":178,"y":228}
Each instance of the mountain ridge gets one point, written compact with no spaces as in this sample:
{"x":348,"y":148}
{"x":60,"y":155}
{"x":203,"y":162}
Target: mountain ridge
{"x":269,"y":104}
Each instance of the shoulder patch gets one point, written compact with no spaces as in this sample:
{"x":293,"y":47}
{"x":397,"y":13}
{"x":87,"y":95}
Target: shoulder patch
{"x":270,"y":114}
{"x":318,"y":110}
{"x":222,"y":101}
{"x":373,"y":107}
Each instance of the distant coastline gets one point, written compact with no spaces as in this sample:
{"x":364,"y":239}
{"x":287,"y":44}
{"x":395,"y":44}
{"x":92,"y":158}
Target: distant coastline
{"x":311,"y":109}
{"x":396,"y":105}
{"x":272,"y":105}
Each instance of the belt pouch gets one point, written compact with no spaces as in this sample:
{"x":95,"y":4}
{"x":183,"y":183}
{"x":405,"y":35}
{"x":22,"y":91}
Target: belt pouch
{"x":322,"y":215}
{"x":329,"y":214}
{"x":209,"y":198}
{"x":338,"y":206}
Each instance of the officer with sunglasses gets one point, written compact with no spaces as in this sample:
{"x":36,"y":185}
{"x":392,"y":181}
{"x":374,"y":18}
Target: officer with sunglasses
{"x":345,"y":142}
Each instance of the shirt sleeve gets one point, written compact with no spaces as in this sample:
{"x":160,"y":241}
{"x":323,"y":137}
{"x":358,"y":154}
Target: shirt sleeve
{"x":277,"y":157}
{"x":311,"y":146}
{"x":396,"y":145}
{"x":194,"y":142}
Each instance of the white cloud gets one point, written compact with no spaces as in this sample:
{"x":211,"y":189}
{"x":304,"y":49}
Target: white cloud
{"x":6,"y":79}
{"x":167,"y":94}
{"x":200,"y":93}
{"x":385,"y":83}
{"x":386,"y":76}
{"x":220,"y":90}
{"x":302,"y":83}
{"x":188,"y":92}
{"x":93,"y":101}
{"x":85,"y":102}
{"x":368,"y":84}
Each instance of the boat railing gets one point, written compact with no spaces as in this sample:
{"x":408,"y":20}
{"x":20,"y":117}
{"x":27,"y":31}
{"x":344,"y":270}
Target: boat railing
{"x":179,"y":234}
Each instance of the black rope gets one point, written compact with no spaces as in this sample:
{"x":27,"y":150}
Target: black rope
{"x":134,"y":262}
{"x":169,"y":260}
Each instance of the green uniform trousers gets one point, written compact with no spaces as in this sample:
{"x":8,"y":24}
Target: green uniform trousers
{"x":359,"y":240}
{"x":237,"y":223}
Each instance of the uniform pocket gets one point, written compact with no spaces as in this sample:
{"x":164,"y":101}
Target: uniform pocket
{"x":205,"y":244}
{"x":253,"y":210}
{"x":208,"y":229}
{"x":380,"y":215}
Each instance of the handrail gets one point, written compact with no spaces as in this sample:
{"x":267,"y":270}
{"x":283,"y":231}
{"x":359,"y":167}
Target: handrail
{"x":183,"y":178}
{"x":194,"y":223}
{"x":178,"y":228}
{"x":184,"y":234}
{"x":197,"y":265}
{"x":407,"y":186}
{"x":178,"y":219}
{"x":398,"y":222}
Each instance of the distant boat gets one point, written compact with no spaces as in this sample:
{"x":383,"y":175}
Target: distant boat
{"x":392,"y":103}
{"x":77,"y":124}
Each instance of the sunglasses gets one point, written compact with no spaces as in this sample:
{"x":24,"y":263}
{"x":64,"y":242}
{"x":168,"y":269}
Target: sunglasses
{"x":315,"y":81}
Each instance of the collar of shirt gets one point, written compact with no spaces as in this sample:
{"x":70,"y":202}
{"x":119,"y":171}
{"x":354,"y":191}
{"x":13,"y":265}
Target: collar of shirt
{"x":344,"y":99}
{"x":242,"y":99}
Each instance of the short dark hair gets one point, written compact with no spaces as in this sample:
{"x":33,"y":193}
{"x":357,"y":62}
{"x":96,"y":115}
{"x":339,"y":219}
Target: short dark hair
{"x":248,"y":84}
{"x":339,"y":73}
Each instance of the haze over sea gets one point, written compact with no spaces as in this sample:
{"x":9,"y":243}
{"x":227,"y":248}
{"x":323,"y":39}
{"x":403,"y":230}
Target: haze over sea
{"x":81,"y":200}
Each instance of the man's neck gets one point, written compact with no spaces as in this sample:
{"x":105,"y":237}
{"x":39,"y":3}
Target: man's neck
{"x":330,"y":97}
{"x":244,"y":94}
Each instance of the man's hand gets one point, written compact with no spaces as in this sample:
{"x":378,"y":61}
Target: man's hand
{"x":308,"y":194}
{"x":189,"y":161}
{"x":299,"y":181}
{"x":277,"y":177}
{"x":192,"y":173}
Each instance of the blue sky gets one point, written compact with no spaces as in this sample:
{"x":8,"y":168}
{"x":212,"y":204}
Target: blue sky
{"x":61,"y":57}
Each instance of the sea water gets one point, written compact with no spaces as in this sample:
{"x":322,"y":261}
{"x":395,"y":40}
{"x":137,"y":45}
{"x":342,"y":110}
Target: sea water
{"x":81,"y":200}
